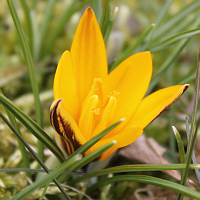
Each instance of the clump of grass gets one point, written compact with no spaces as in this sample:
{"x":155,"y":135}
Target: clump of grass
{"x":32,"y":43}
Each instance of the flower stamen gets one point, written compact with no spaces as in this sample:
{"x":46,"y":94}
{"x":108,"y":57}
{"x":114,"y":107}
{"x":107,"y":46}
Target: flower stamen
{"x":107,"y":115}
{"x":86,"y":118}
{"x":96,"y":111}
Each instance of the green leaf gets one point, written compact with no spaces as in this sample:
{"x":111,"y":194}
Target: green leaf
{"x":97,"y":8}
{"x":45,"y":180}
{"x":9,"y":170}
{"x":25,"y":157}
{"x":96,"y":138}
{"x":31,"y":70}
{"x":188,"y":9}
{"x":105,"y":17}
{"x":33,"y":127}
{"x":87,"y":159}
{"x":158,"y":20}
{"x":29,"y":23}
{"x":147,"y":180}
{"x":173,"y":39}
{"x":33,"y":153}
{"x":43,"y":29}
{"x":188,"y":79}
{"x":193,"y":135}
{"x":180,"y":145}
{"x":109,"y":28}
{"x":90,"y":157}
{"x":193,"y":154}
{"x":44,"y":191}
{"x":88,"y":145}
{"x":133,"y":168}
{"x":167,"y":64}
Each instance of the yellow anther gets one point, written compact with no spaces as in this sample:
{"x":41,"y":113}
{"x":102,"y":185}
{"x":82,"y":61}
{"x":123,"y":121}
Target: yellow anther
{"x":113,"y":94}
{"x":106,"y":115}
{"x":96,"y":89}
{"x":98,"y":80}
{"x":86,"y":118}
{"x":97,"y":86}
{"x":96,"y":111}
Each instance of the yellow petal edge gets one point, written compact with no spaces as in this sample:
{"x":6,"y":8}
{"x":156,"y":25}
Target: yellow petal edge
{"x":154,"y":104}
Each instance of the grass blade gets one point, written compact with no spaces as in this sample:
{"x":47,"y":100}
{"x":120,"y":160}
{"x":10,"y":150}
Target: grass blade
{"x":44,"y":192}
{"x":109,"y":29}
{"x":180,"y":145}
{"x":173,"y":39}
{"x":33,"y":127}
{"x":133,"y":168}
{"x":29,"y":22}
{"x":9,"y":170}
{"x":42,"y":182}
{"x":31,"y":70}
{"x":193,"y":154}
{"x":193,"y":134}
{"x":44,"y":26}
{"x":170,"y":60}
{"x":158,"y":20}
{"x":105,"y":17}
{"x":97,"y":8}
{"x":148,"y":180}
{"x":90,"y":157}
{"x":96,"y":138}
{"x":177,"y":18}
{"x":33,"y":153}
{"x":25,"y":158}
{"x":87,"y":159}
{"x":166,"y":65}
{"x":88,"y":145}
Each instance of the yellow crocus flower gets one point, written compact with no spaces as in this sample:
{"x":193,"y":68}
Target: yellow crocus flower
{"x":88,"y":99}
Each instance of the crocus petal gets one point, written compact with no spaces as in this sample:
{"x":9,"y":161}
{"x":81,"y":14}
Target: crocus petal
{"x":124,"y":138}
{"x":68,"y":132}
{"x":154,"y":104}
{"x":88,"y":53}
{"x":130,"y":79}
{"x":65,"y":86}
{"x":88,"y":99}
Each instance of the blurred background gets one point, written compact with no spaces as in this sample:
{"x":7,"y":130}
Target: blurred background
{"x":49,"y":29}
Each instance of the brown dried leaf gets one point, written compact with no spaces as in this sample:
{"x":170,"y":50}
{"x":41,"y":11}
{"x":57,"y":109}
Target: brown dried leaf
{"x":147,"y":150}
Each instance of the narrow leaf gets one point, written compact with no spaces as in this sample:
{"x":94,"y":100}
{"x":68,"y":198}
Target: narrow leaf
{"x":147,"y":180}
{"x":173,"y":39}
{"x":87,"y":159}
{"x":193,"y":154}
{"x":180,"y":145}
{"x":105,"y":17}
{"x":9,"y":170}
{"x":31,"y":70}
{"x":95,"y":139}
{"x":109,"y":28}
{"x":33,"y":127}
{"x":25,"y":157}
{"x":33,"y":153}
{"x":177,"y":18}
{"x":42,"y":182}
{"x":193,"y":132}
{"x":133,"y":168}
